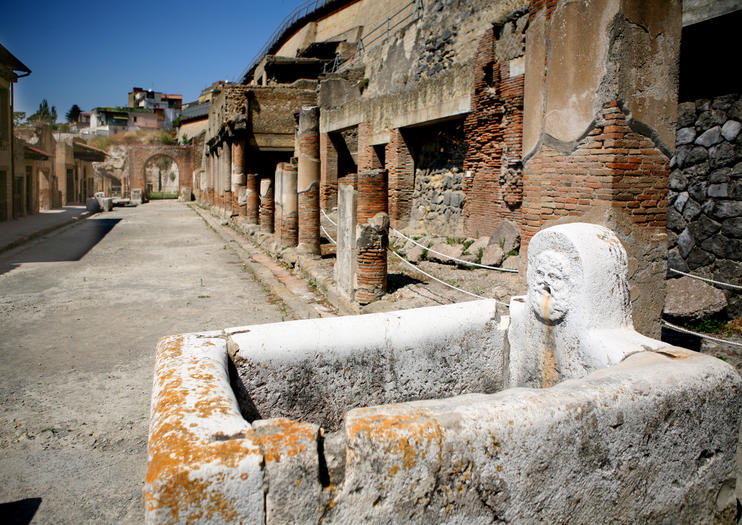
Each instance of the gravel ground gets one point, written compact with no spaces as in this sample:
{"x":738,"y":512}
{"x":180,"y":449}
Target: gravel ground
{"x":81,"y":311}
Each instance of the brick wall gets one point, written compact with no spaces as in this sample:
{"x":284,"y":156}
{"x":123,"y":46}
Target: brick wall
{"x":401,"y":179}
{"x":613,"y":165}
{"x":493,"y":131}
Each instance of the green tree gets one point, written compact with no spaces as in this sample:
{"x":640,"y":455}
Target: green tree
{"x":73,"y":114}
{"x":44,"y":114}
{"x":18,"y":117}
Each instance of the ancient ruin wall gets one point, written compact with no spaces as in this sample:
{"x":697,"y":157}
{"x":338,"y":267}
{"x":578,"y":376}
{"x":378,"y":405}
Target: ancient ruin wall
{"x":704,"y":220}
{"x":494,"y":174}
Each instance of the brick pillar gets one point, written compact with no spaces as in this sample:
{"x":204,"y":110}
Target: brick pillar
{"x":602,"y":155}
{"x":218,"y":162}
{"x":266,"y":205}
{"x":252,"y":198}
{"x":308,"y":180}
{"x":210,"y":180}
{"x":371,"y":243}
{"x":227,"y":179}
{"x":372,"y":193}
{"x":400,"y":166}
{"x":368,"y":159}
{"x":277,"y":204}
{"x":328,"y":187}
{"x":372,"y":237}
{"x":238,"y":175}
{"x":289,"y":203}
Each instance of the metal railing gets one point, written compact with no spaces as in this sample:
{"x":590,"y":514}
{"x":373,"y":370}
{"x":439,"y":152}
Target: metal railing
{"x":298,"y":13}
{"x":378,"y":34}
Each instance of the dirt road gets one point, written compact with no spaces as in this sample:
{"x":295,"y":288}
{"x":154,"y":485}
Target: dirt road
{"x":81,"y":311}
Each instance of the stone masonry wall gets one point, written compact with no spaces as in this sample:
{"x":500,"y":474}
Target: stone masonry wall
{"x":704,"y":219}
{"x":438,"y":196}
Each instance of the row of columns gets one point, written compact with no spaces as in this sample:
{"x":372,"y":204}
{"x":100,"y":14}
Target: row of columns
{"x":289,"y":203}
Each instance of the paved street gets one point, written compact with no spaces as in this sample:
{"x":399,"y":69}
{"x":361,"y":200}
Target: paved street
{"x":81,"y":311}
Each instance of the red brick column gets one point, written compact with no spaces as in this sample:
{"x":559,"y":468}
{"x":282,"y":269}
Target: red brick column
{"x":308,"y":180}
{"x":266,"y":205}
{"x":400,"y":166}
{"x":368,"y":159}
{"x":328,"y":187}
{"x":227,"y":179}
{"x":238,"y":175}
{"x":289,"y":204}
{"x":371,"y":243}
{"x":372,"y":194}
{"x":253,"y":198}
{"x":371,"y":258}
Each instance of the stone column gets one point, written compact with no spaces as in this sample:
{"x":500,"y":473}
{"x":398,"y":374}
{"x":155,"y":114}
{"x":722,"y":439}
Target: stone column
{"x":238,"y":176}
{"x":252,"y":198}
{"x":372,"y":236}
{"x":308,"y":178}
{"x":266,"y":205}
{"x":328,"y":187}
{"x":289,"y":203}
{"x":344,"y":271}
{"x":218,"y":168}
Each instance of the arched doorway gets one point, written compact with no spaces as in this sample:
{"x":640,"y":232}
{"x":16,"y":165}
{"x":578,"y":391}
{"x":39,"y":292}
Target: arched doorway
{"x":162,"y":177}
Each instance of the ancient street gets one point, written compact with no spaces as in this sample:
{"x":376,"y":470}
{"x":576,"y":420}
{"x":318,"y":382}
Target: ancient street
{"x":81,"y":311}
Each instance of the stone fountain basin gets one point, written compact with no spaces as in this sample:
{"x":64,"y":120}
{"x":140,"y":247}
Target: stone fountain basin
{"x":652,"y":438}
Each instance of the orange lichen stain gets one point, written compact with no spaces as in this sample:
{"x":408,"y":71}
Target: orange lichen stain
{"x":393,"y":471}
{"x":244,"y":476}
{"x":175,"y":451}
{"x":285,"y":440}
{"x":404,"y":435}
{"x":297,"y":482}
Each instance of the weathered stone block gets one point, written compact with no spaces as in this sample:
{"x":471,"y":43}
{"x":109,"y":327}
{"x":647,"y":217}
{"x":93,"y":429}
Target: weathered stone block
{"x":690,"y":299}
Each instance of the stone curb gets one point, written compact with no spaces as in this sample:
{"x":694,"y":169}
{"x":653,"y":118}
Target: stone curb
{"x":44,"y":231}
{"x":263,"y":275}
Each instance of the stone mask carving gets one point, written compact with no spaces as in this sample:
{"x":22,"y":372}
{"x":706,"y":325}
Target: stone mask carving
{"x":549,"y":286}
{"x":576,"y":317}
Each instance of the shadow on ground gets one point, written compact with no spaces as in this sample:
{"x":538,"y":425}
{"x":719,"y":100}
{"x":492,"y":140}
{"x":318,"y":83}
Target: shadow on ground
{"x":395,"y":281}
{"x":69,"y":245}
{"x":19,"y":512}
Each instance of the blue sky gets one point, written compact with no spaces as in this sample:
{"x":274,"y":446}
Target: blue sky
{"x":91,"y":53}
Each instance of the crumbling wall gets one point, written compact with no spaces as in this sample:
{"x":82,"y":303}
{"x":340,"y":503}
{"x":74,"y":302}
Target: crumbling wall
{"x":704,"y":220}
{"x":494,"y":127}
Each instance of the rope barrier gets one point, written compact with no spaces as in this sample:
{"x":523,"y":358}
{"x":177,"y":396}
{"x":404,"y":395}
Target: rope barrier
{"x":733,"y":286}
{"x":454,"y":258}
{"x":328,"y":235}
{"x":685,"y":331}
{"x":443,"y":282}
{"x":328,"y":217}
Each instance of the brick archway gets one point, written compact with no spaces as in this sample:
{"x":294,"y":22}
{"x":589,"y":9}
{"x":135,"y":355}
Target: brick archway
{"x":139,"y":155}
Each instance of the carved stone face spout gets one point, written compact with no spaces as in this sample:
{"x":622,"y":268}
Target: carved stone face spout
{"x":549,"y":286}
